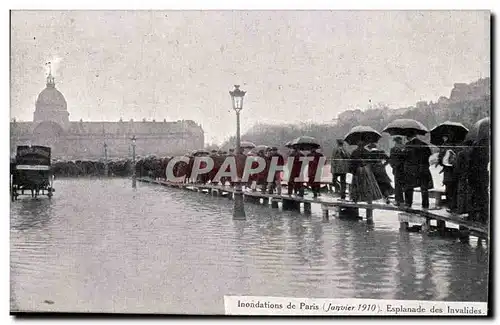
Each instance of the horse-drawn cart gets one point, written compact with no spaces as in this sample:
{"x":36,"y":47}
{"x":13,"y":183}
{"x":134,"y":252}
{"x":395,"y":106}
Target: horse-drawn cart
{"x":31,"y":171}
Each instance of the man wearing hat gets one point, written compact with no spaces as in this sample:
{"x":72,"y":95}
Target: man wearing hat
{"x":339,"y":168}
{"x":396,"y":161}
{"x":416,"y":155}
{"x":276,"y":183}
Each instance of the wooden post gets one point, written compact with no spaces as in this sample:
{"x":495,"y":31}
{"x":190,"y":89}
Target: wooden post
{"x":441,"y":225}
{"x":286,"y":204}
{"x":426,"y":227}
{"x":464,"y":234}
{"x":307,"y":207}
{"x":324,"y":209}
{"x":369,"y":214}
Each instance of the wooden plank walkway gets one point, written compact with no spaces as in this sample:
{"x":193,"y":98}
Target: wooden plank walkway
{"x":328,"y":203}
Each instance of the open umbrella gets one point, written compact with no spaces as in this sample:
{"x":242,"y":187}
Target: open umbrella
{"x":480,"y":131}
{"x":247,"y":145}
{"x":405,"y":126}
{"x":200,"y":152}
{"x":455,"y":131}
{"x":288,"y":144}
{"x":363,"y":133}
{"x":259,"y":148}
{"x":305,"y":143}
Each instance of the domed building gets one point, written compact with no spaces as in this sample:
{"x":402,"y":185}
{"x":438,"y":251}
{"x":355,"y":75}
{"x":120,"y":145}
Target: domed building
{"x":86,"y":140}
{"x":51,"y":105}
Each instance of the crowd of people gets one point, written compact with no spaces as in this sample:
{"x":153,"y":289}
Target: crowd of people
{"x":464,"y":167}
{"x":267,"y":184}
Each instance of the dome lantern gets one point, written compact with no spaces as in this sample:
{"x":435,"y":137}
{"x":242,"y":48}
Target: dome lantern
{"x":51,"y":83}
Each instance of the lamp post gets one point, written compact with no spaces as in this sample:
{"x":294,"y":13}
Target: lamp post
{"x":237,"y":96}
{"x":134,"y":180}
{"x":106,"y":172}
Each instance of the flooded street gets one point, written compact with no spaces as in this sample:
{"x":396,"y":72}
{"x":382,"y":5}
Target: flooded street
{"x":100,"y":246}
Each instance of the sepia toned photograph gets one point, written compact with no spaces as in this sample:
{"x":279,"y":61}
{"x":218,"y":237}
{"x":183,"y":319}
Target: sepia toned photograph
{"x":250,"y":162}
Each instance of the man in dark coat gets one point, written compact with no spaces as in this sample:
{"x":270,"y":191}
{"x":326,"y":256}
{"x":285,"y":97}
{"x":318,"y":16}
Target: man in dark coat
{"x":396,"y":160}
{"x":416,"y":155}
{"x":479,"y":180}
{"x":339,"y":168}
{"x":295,"y":186}
{"x":447,"y":171}
{"x":276,"y":183}
{"x":312,"y":170}
{"x":261,"y":177}
{"x":231,"y":154}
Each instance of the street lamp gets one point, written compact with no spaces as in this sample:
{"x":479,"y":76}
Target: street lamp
{"x":106,"y":172}
{"x":237,"y":96}
{"x":133,"y":162}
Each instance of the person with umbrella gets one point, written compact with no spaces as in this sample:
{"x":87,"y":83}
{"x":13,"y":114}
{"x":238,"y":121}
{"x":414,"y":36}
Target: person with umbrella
{"x":479,"y":179}
{"x":364,"y":186}
{"x":378,"y":162}
{"x":397,"y":163}
{"x":446,"y":159}
{"x":211,"y":174}
{"x":313,"y":170}
{"x":293,"y":185}
{"x":461,"y":201}
{"x":416,"y":156}
{"x":261,"y":177}
{"x":339,"y":167}
{"x":240,"y":158}
{"x":276,"y":183}
{"x":300,"y":143}
{"x":446,"y":135}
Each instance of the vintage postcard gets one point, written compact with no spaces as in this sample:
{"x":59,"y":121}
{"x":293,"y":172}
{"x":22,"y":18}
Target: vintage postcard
{"x":232,"y":162}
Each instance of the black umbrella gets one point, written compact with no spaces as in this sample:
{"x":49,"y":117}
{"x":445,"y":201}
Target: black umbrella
{"x":259,"y":148}
{"x":405,"y":127}
{"x":200,"y":152}
{"x":305,"y":143}
{"x":247,"y":145}
{"x":455,"y":131}
{"x":480,"y":132}
{"x":364,"y":133}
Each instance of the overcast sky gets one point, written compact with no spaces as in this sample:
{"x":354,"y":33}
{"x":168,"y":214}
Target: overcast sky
{"x":295,"y":65}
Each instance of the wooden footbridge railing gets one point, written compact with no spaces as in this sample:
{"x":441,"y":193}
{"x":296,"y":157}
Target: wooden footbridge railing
{"x":419,"y":217}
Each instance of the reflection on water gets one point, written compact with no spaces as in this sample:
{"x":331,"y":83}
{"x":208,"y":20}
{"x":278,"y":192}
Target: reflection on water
{"x":101,"y":246}
{"x":31,"y":213}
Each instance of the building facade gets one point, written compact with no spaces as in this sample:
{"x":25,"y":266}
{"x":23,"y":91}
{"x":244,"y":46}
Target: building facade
{"x":87,"y":140}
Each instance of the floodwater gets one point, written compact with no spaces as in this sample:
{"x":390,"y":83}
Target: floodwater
{"x":101,"y":246}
